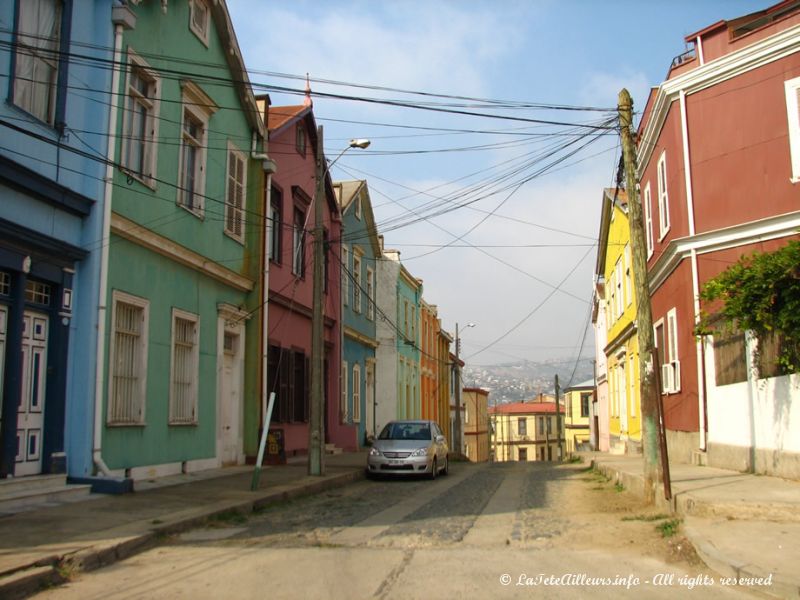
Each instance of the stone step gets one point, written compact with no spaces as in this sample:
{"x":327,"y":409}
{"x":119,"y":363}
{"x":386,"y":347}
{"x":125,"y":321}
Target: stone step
{"x":31,"y":493}
{"x":332,"y":449}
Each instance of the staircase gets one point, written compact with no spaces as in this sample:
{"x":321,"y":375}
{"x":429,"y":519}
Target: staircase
{"x":19,"y":494}
{"x":332,"y":449}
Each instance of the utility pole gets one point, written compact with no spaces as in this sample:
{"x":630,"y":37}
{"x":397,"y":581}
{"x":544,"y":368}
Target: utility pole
{"x":648,"y":391}
{"x":558,"y":422}
{"x":457,"y":422}
{"x":316,"y":430}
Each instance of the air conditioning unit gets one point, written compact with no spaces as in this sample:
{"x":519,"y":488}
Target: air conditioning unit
{"x":666,"y":378}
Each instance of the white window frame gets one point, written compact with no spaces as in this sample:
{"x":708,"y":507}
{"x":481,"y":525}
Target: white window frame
{"x":175,"y":371}
{"x":138,"y":403}
{"x":345,"y":392}
{"x":618,"y":283}
{"x":613,"y":299}
{"x":134,"y":99}
{"x":345,"y":275}
{"x":298,"y":241}
{"x":370,"y":294}
{"x":37,"y":52}
{"x":648,"y":219}
{"x":235,"y":195}
{"x":200,"y":29}
{"x":632,"y":383}
{"x":199,"y":107}
{"x":357,"y":254}
{"x":356,"y":393}
{"x":671,"y":369}
{"x":792,"y":87}
{"x":628,"y":268}
{"x":663,"y":196}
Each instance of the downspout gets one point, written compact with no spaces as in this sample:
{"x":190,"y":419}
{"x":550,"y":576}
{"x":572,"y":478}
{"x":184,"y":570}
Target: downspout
{"x":269,"y":167}
{"x":698,"y":43}
{"x":701,"y":383}
{"x":118,"y":16}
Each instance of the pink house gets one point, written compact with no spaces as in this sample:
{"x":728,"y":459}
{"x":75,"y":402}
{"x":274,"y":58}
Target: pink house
{"x":719,"y":168}
{"x":293,"y":140}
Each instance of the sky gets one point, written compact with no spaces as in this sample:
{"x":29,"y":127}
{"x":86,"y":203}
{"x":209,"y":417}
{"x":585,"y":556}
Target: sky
{"x":498,"y":216}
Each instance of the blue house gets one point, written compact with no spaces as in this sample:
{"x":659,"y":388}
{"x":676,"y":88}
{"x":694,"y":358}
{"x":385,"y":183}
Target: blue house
{"x":55,"y":74}
{"x":360,"y":248}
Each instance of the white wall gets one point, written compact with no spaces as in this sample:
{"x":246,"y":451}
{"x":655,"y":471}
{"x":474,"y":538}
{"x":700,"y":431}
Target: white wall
{"x":388,"y":270}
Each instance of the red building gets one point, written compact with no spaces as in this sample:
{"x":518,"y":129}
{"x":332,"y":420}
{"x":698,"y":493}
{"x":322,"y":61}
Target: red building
{"x":719,"y":164}
{"x":293,"y":139}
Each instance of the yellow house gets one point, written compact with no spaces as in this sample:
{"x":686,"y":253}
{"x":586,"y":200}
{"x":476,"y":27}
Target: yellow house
{"x":577,"y":406}
{"x":476,"y":423}
{"x":622,"y":349}
{"x":525,"y":431}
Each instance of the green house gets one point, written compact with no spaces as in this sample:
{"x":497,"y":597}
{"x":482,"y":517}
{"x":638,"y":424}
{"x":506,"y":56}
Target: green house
{"x":182,"y":388}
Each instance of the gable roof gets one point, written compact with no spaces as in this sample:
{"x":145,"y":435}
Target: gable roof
{"x":608,"y":202}
{"x":280,"y":116}
{"x":346,"y":192}
{"x":233,"y":55}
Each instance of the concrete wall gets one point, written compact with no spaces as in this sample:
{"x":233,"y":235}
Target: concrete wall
{"x":754,"y":425}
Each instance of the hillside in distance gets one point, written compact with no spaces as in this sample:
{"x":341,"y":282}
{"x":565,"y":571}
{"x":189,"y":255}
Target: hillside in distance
{"x":523,"y":380}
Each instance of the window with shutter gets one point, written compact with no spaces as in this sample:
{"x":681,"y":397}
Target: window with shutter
{"x":663,"y":197}
{"x":139,"y":147}
{"x":235,"y":194}
{"x":792,"y":88}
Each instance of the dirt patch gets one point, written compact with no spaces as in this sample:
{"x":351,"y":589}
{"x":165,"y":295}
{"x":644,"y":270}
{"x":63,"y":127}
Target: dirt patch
{"x":609,"y":516}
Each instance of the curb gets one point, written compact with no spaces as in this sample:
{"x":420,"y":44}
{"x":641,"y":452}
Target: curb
{"x":55,"y":570}
{"x":729,"y":567}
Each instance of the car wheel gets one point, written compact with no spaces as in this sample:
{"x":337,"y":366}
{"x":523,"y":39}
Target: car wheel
{"x":446,"y":469}
{"x":434,"y":469}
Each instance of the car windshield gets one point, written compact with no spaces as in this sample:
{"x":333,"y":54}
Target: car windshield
{"x":406,"y":431}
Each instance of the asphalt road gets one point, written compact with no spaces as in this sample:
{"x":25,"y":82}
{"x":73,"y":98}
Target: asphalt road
{"x":494,"y":531}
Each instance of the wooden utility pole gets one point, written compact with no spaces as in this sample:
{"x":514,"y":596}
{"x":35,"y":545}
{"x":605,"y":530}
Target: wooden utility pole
{"x":648,"y":392}
{"x":316,"y":412}
{"x":558,"y":422}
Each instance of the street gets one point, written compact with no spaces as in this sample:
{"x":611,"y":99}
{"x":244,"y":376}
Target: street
{"x":491,"y":530}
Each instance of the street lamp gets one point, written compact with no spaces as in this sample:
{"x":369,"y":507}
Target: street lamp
{"x":458,"y":434}
{"x":316,"y":432}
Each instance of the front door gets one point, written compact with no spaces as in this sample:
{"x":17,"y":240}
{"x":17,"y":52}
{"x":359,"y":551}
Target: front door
{"x":30,"y":420}
{"x":230,"y":399}
{"x":370,"y":403}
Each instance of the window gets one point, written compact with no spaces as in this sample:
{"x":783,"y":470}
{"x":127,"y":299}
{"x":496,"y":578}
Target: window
{"x":628,"y":266}
{"x":622,"y":386}
{"x":522,"y":426}
{"x":370,"y":294}
{"x":793,"y":112}
{"x":356,"y":280}
{"x":300,"y":139}
{"x":199,"y":19}
{"x":356,"y":393}
{"x":36,"y":62}
{"x":185,"y":369}
{"x":663,"y":198}
{"x":139,"y":147}
{"x":414,"y":324}
{"x":275,"y":225}
{"x":540,"y":426}
{"x":5,"y":283}
{"x":586,"y":398}
{"x":127,"y":361}
{"x":345,"y":394}
{"x":666,"y":340}
{"x":405,"y":318}
{"x":197,"y":110}
{"x":37,"y":292}
{"x":648,"y":219}
{"x":620,"y":307}
{"x":235,"y":194}
{"x":549,"y":423}
{"x":613,"y":300}
{"x":345,"y":275}
{"x":357,"y":208}
{"x":298,"y":243}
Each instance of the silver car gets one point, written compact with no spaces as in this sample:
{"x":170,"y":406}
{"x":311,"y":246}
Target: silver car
{"x":409,"y":448}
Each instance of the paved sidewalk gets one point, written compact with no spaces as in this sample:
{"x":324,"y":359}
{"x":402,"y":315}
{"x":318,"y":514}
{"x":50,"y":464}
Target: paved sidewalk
{"x":39,"y":547}
{"x":742,"y":525}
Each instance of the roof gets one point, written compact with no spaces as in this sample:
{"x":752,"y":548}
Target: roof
{"x":281,"y":115}
{"x":588,"y":384}
{"x":524,"y":408}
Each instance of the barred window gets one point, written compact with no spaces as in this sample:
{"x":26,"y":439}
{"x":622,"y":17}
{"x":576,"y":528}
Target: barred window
{"x":184,"y":373}
{"x":128,"y":360}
